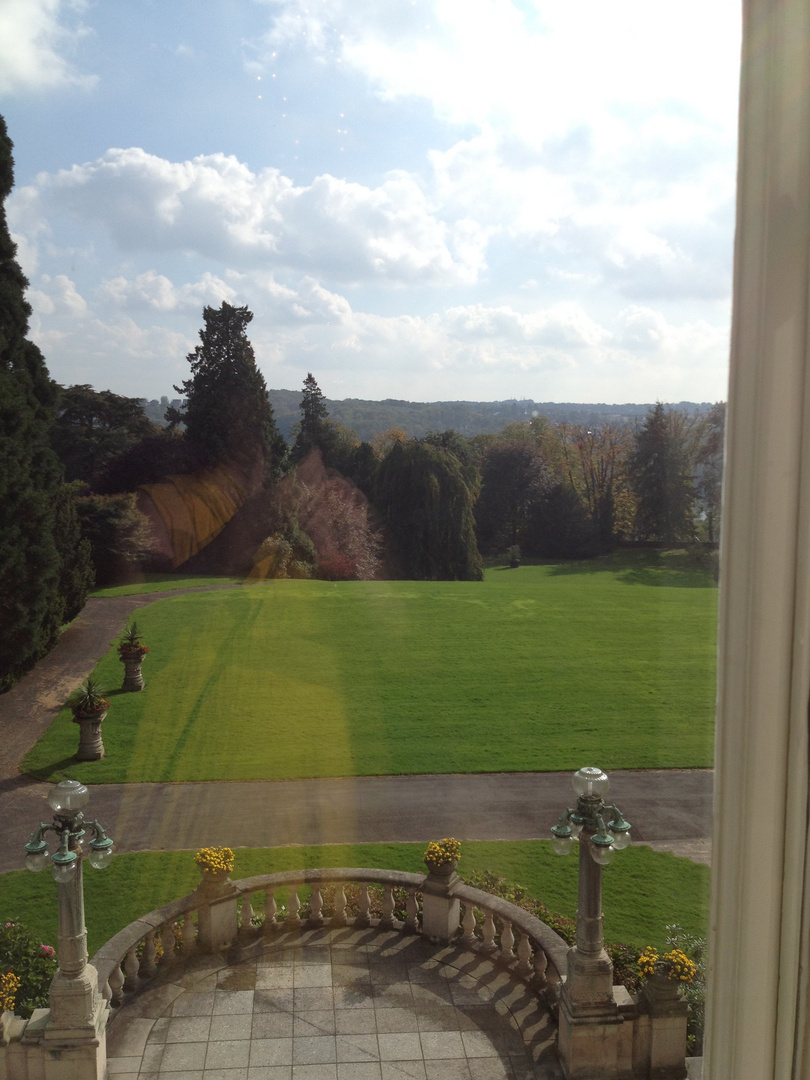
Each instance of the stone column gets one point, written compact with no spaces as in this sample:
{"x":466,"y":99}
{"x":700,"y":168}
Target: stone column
{"x":441,"y":911}
{"x":216,"y":918}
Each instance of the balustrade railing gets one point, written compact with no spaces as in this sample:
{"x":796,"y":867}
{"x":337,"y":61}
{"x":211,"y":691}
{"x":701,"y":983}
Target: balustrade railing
{"x":169,"y":935}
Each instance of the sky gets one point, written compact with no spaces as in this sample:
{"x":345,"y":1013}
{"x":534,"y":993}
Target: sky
{"x":417,"y":199}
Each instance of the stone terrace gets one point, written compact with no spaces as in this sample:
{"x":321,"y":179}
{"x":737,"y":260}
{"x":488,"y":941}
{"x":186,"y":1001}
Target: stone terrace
{"x":335,"y":1004}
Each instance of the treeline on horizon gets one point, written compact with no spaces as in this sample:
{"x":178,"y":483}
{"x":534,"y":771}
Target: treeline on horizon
{"x":328,"y":503}
{"x":366,"y":417}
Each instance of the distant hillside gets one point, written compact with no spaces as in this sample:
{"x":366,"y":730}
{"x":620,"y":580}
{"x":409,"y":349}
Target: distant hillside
{"x":466,"y":417}
{"x":420,"y":417}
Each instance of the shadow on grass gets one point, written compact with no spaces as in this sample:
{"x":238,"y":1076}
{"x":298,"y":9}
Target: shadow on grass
{"x":676,"y":568}
{"x":51,"y":771}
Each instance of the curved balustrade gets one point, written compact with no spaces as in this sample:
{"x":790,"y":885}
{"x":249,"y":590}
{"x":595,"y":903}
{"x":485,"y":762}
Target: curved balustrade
{"x":133,"y":956}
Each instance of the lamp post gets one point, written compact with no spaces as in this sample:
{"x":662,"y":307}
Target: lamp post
{"x":588,"y":1009}
{"x":78,"y":1012}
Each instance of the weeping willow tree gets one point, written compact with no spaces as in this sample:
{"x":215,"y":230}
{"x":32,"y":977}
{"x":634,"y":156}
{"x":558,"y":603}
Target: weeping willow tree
{"x":426,"y":501}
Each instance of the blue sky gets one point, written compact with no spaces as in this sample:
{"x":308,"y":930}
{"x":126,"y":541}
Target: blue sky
{"x":420,"y":199}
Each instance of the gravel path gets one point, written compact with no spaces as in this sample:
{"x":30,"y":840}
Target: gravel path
{"x":669,"y":808}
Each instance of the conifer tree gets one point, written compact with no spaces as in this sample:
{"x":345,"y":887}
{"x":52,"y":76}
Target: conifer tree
{"x":426,"y":504}
{"x":660,"y":469}
{"x":35,"y":565}
{"x":228,"y":415}
{"x":314,"y":428}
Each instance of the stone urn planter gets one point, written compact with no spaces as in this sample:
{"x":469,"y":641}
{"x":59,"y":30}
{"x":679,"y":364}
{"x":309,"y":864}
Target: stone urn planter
{"x":441,"y":860}
{"x":89,"y":708}
{"x":215,"y":865}
{"x":131,"y":652}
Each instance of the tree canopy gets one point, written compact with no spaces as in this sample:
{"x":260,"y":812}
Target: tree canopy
{"x":660,"y":468}
{"x":93,"y":427}
{"x":227,"y":414}
{"x":44,"y":566}
{"x":426,"y":505}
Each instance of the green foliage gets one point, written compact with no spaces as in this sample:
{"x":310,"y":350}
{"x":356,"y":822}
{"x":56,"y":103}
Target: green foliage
{"x":94,"y":427}
{"x":33,"y":963}
{"x":147,"y":461}
{"x":560,"y":526}
{"x":660,"y":469}
{"x":313,"y":428}
{"x":43,"y":571}
{"x":426,"y":504}
{"x":641,"y":628}
{"x":87,"y":699}
{"x":228,"y":415}
{"x":514,"y":476}
{"x":696,"y":947}
{"x":118,"y":534}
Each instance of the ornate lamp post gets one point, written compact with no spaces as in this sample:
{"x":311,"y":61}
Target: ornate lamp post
{"x":588,"y":1009}
{"x":78,"y":1012}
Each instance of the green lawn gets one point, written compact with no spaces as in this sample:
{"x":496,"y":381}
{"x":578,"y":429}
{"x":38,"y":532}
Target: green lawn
{"x":643,"y":890}
{"x":541,"y":668}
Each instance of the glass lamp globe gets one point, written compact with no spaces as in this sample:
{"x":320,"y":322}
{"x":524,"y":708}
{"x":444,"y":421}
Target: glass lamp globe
{"x":589,"y":782}
{"x":621,"y":840}
{"x":36,"y":861}
{"x":602,"y":853}
{"x":562,"y":844}
{"x":63,"y":872}
{"x":100,"y":857}
{"x":68,"y":797}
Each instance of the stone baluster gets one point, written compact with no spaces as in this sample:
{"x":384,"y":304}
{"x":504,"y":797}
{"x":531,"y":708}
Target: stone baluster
{"x":148,"y":965}
{"x":247,"y":914}
{"x":293,"y":907}
{"x":468,"y":926}
{"x":387,"y":918}
{"x":339,"y":918}
{"x":411,"y":912}
{"x":540,"y":963}
{"x":524,"y":954}
{"x":316,"y":905}
{"x":363,"y":904}
{"x":168,"y":941}
{"x":116,"y":985}
{"x":489,"y":931}
{"x":131,"y":967}
{"x":270,"y":909}
{"x":106,"y":992}
{"x":188,"y":933}
{"x":507,"y":941}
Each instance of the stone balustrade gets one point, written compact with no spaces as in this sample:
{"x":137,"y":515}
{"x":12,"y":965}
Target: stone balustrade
{"x":226,"y":913}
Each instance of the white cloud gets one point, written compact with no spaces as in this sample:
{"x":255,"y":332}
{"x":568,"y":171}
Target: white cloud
{"x":34,"y":37}
{"x":216,"y":207}
{"x":156,"y":291}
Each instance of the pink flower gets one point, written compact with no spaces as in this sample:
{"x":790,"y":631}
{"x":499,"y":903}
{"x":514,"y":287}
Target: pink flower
{"x":49,"y":952}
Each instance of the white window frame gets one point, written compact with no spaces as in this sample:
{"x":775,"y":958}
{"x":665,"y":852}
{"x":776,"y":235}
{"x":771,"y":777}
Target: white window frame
{"x":759,"y":1014}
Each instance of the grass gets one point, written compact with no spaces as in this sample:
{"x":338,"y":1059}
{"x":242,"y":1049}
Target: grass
{"x":643,"y":890}
{"x":541,"y":668}
{"x":163,"y":583}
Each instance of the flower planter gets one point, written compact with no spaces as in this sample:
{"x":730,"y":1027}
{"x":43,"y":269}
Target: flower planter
{"x":91,"y":748}
{"x":442,"y":872}
{"x":132,"y":660}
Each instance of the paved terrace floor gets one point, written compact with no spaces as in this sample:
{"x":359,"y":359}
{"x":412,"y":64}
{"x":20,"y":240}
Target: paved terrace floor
{"x":336,"y":1004}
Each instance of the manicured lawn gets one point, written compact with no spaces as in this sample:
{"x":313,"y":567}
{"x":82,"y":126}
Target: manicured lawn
{"x":541,"y":668}
{"x":162,"y":583}
{"x":643,"y":890}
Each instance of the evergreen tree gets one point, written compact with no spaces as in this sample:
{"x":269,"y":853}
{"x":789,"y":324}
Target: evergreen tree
{"x":93,"y":427}
{"x":660,"y":469}
{"x":427,"y":507}
{"x":227,"y":414}
{"x":313,"y":429}
{"x":32,"y":507}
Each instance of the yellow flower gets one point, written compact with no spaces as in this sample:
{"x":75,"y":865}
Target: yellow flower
{"x":213,"y":859}
{"x":9,"y":985}
{"x":442,"y":852}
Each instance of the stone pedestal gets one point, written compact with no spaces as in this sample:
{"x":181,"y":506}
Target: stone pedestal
{"x":441,"y":911}
{"x":661,"y":1000}
{"x":216,"y":919}
{"x":133,"y":677}
{"x":91,"y":748}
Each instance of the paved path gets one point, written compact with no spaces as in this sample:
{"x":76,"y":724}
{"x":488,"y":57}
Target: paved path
{"x":669,"y":809}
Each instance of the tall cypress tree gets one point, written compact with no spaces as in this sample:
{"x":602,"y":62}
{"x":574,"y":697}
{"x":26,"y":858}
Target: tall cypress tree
{"x":660,"y":469}
{"x":36,"y":569}
{"x":228,"y":415}
{"x":314,"y":428}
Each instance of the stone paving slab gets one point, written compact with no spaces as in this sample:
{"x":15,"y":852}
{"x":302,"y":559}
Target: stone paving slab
{"x":343,"y":1004}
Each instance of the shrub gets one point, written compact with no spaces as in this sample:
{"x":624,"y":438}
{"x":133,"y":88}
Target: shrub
{"x":696,"y":948}
{"x":33,"y":964}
